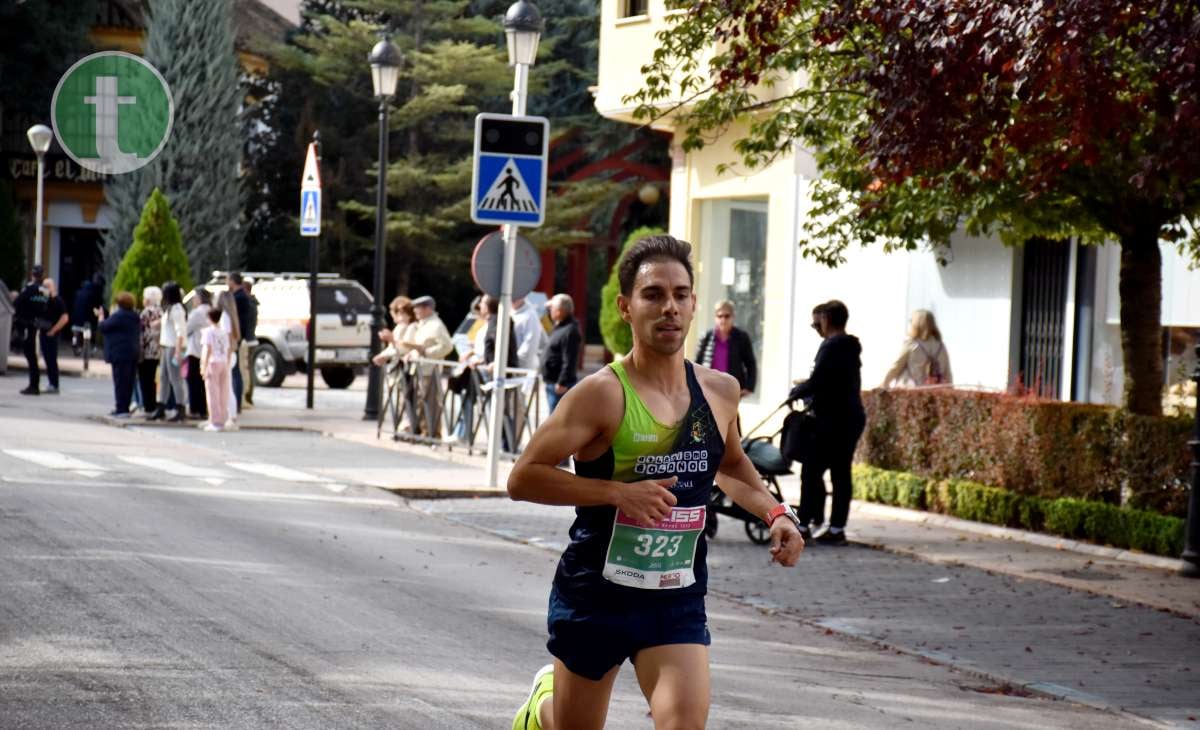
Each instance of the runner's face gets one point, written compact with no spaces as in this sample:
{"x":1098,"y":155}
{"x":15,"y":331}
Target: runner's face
{"x":660,"y":309}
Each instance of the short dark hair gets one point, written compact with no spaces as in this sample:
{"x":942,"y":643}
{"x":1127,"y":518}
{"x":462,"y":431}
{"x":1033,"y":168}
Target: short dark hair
{"x":214,"y":315}
{"x":836,"y":312}
{"x":650,"y":248}
{"x":235,"y":277}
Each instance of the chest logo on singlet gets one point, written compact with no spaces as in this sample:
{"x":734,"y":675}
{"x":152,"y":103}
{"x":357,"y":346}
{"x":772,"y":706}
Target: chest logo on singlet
{"x":645,"y":438}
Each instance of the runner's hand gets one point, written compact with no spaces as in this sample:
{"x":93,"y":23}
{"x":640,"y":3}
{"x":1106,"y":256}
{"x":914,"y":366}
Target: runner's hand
{"x":786,"y":543}
{"x":648,"y":502}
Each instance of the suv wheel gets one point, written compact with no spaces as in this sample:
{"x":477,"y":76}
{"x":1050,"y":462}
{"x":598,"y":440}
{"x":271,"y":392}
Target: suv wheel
{"x":337,"y":377}
{"x":266,"y":366}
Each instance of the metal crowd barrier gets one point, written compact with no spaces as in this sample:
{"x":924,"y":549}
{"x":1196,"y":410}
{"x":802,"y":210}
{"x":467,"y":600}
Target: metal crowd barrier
{"x":420,"y":406}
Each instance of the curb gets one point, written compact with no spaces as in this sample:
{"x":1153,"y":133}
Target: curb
{"x":1010,"y":533}
{"x":1041,"y":689}
{"x":436,"y":493}
{"x":183,"y":426}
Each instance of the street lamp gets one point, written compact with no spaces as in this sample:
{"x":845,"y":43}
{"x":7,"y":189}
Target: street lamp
{"x":385,"y":60}
{"x":522,"y":31}
{"x":39,"y":138}
{"x":1191,"y":546}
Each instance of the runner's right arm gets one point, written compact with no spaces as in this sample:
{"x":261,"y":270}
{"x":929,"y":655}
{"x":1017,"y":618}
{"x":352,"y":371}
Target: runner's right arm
{"x":587,"y":413}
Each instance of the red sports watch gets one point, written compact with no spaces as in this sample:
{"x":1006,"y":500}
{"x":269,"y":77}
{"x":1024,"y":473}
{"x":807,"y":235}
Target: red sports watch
{"x":782,"y":510}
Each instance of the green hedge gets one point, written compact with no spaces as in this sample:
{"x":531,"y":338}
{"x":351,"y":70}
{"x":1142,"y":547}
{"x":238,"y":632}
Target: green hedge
{"x":618,"y":338}
{"x":1077,"y":519}
{"x":1039,"y":448}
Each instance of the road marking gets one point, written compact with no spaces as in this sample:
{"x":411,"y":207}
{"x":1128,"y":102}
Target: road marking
{"x":335,"y":488}
{"x":173,"y":467}
{"x":90,"y":473}
{"x":54,"y":460}
{"x":207,"y":492}
{"x":273,"y":471}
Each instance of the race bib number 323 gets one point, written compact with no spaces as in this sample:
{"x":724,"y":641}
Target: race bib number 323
{"x":656,"y":558}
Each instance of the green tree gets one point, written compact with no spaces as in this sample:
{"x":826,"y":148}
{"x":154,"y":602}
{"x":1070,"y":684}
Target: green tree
{"x":618,"y":338}
{"x":38,"y":42}
{"x":12,"y":249}
{"x":1069,"y":119}
{"x":157,"y":255}
{"x":191,"y":44}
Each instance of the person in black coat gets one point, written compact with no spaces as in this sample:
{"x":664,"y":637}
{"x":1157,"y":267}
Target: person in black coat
{"x":122,"y":335}
{"x":729,"y":349}
{"x":32,"y":307}
{"x":834,"y":393}
{"x":562,"y":352}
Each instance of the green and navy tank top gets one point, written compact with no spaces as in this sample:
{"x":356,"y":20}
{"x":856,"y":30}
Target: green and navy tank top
{"x":611,"y":557}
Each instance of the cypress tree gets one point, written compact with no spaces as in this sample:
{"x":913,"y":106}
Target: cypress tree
{"x":157,"y":254}
{"x":191,"y":44}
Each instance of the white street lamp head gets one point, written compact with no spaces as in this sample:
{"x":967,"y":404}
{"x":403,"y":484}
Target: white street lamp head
{"x":522,"y":29}
{"x":39,"y":138}
{"x":385,"y":60}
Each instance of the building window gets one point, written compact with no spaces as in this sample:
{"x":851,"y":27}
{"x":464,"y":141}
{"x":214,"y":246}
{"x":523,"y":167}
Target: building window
{"x":633,"y":8}
{"x":734,"y":256}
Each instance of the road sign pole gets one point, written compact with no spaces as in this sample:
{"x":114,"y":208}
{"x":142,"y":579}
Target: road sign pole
{"x":313,"y":265}
{"x":310,"y":227}
{"x":504,"y":316}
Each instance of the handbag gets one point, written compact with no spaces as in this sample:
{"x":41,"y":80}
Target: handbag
{"x":798,"y":437}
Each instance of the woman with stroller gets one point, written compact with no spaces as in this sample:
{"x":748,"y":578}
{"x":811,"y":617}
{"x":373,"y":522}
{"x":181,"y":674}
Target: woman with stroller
{"x":834,"y":394}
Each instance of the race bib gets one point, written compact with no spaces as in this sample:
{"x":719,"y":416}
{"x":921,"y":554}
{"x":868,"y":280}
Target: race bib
{"x":655,"y":558}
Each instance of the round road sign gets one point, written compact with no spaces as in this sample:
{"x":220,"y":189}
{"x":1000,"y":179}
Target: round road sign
{"x":487,"y":265}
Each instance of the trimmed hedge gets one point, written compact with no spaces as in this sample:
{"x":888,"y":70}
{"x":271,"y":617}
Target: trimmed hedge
{"x":1032,"y":447}
{"x":1077,"y":519}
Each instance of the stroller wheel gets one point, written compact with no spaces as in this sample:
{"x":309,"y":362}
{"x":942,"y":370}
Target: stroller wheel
{"x":758,"y":532}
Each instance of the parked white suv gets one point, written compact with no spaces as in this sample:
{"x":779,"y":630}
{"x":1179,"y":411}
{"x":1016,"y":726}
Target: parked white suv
{"x":343,"y":326}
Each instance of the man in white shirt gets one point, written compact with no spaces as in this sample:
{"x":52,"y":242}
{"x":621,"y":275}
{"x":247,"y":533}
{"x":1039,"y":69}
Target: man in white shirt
{"x":531,"y":336}
{"x":430,"y":341}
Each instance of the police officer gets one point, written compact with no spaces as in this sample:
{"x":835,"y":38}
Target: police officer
{"x":32,"y":307}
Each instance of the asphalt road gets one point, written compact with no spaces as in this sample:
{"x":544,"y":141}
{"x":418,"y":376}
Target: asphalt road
{"x":170,"y":578}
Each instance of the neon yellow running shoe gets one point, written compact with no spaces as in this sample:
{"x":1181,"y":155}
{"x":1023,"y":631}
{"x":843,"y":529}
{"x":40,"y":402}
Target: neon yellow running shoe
{"x":543,"y":686}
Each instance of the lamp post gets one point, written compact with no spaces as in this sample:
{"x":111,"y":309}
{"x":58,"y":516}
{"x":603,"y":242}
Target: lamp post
{"x":1191,"y":545}
{"x":522,"y":31}
{"x":385,"y":60}
{"x":39,"y":138}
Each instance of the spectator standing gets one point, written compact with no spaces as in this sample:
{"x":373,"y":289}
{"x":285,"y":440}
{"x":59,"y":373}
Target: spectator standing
{"x":250,"y":340}
{"x":430,"y":340}
{"x":151,"y":352}
{"x":32,"y":306}
{"x":531,"y":336}
{"x":121,"y":331}
{"x":228,"y":323}
{"x":241,"y":301}
{"x":87,"y":298}
{"x":172,"y":343}
{"x":196,"y":322}
{"x":562,"y":350}
{"x":216,"y":356}
{"x":57,"y":318}
{"x":405,"y":318}
{"x":729,"y":349}
{"x":834,"y":390}
{"x":923,"y":358}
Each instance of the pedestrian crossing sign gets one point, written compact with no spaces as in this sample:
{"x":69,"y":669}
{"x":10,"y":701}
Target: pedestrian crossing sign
{"x":509,"y":180}
{"x":310,"y":212}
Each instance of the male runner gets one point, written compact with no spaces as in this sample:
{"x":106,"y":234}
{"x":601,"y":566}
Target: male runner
{"x":648,"y":434}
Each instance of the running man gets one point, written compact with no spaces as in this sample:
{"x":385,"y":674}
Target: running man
{"x":648,"y":434}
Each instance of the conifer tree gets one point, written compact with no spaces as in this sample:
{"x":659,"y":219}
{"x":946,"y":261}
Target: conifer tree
{"x":191,"y":44}
{"x":157,"y":253}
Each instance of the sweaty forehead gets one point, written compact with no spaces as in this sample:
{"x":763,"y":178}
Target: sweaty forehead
{"x":661,"y":272}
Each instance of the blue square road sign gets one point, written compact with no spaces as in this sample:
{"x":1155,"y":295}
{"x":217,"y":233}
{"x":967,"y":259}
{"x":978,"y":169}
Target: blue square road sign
{"x":508,"y":184}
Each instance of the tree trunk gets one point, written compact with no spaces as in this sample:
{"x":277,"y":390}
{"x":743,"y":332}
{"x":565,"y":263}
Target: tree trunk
{"x":1141,"y":320}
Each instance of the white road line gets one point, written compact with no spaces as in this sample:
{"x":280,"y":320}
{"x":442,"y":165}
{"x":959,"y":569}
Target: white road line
{"x":173,"y":467}
{"x":223,"y":493}
{"x":335,"y":488}
{"x":90,"y":473}
{"x":53,"y":459}
{"x":273,"y":471}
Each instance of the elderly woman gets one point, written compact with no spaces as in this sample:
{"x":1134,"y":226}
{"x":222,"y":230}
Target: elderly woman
{"x":120,"y":330}
{"x":151,"y":321}
{"x":405,"y":318}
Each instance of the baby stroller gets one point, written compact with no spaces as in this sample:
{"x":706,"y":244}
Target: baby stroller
{"x":770,"y":464}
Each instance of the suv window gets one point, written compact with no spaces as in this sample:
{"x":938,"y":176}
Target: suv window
{"x":337,"y":299}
